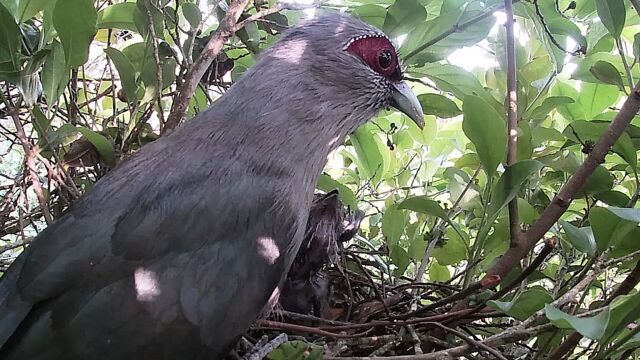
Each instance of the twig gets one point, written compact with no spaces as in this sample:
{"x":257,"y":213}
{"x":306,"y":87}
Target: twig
{"x":508,"y":336}
{"x":550,"y":35}
{"x":30,"y":152}
{"x":192,"y":78}
{"x":470,"y":341}
{"x":156,"y":60}
{"x":260,"y":351}
{"x":440,"y":229}
{"x":373,"y":285}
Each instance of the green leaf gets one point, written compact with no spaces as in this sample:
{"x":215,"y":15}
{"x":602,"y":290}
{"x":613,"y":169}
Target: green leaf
{"x":612,"y":13}
{"x":607,"y":73}
{"x":592,"y":327}
{"x":590,"y":102}
{"x":10,"y":39}
{"x":372,"y":14}
{"x":29,"y":8}
{"x":400,"y":258}
{"x":118,"y":16}
{"x":250,"y":36}
{"x":454,"y":249}
{"x":42,"y":125}
{"x":613,"y":198}
{"x":438,"y":105}
{"x":392,"y":225}
{"x":326,"y":184}
{"x":434,"y":28}
{"x":524,"y":304}
{"x":141,"y":21}
{"x":296,"y":350}
{"x":75,"y":22}
{"x":629,"y":214}
{"x":403,"y":16}
{"x":581,"y":238}
{"x":548,"y":104}
{"x":457,"y":81}
{"x":126,"y":71}
{"x":582,"y":131}
{"x":509,"y":185}
{"x":192,"y":13}
{"x":54,"y":74}
{"x":624,"y":310}
{"x":608,"y":228}
{"x":370,"y":159}
{"x":439,"y":273}
{"x":485,"y":127}
{"x":424,"y":205}
{"x":104,"y":147}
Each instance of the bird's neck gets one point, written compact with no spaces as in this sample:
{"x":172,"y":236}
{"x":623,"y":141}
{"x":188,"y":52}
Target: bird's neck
{"x":291,"y":126}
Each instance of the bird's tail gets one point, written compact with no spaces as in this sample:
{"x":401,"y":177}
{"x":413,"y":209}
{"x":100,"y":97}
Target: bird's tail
{"x":12,"y":309}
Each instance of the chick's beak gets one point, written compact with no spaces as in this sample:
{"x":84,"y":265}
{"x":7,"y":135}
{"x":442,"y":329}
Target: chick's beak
{"x":406,"y":101}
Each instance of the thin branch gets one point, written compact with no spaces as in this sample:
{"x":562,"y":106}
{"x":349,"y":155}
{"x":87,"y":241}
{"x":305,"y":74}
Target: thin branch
{"x":30,"y":153}
{"x":192,"y":78}
{"x":156,"y":60}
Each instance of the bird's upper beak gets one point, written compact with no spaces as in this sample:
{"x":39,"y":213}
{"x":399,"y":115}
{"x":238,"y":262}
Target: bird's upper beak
{"x":406,"y":101}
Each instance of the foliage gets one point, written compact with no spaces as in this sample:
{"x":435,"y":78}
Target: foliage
{"x":86,"y":83}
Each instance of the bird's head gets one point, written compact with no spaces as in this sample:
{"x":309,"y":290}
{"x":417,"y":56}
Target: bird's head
{"x":337,"y":59}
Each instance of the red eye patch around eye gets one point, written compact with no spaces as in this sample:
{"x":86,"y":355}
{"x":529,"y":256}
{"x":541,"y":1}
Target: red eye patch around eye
{"x":369,"y":49}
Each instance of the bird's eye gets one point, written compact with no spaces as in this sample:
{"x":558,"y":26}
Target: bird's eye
{"x":385,"y":59}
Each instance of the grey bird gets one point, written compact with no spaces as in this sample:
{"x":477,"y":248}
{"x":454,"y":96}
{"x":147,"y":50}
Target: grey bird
{"x":174,"y":253}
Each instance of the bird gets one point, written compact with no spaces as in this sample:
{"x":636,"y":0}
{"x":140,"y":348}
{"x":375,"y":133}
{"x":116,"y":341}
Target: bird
{"x":178,"y":249}
{"x":306,"y":287}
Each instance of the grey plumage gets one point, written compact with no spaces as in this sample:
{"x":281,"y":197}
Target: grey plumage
{"x":176,"y":251}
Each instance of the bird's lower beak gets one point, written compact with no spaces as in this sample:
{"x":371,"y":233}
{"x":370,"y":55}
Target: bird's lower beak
{"x":406,"y":101}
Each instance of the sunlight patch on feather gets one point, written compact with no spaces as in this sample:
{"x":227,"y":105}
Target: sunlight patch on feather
{"x":146,"y":282}
{"x":268,"y":249}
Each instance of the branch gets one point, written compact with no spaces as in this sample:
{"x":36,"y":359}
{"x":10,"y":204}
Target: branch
{"x":563,"y":199}
{"x":228,"y":26}
{"x":30,"y":153}
{"x":508,"y":336}
{"x":156,"y":60}
{"x":223,"y":33}
{"x":512,"y":117}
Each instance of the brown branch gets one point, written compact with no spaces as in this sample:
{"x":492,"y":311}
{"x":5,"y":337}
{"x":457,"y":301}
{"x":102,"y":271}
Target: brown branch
{"x":512,"y":117}
{"x":470,"y":341}
{"x":30,"y":153}
{"x":222,"y":34}
{"x":228,"y":26}
{"x":508,"y":336}
{"x":563,"y":199}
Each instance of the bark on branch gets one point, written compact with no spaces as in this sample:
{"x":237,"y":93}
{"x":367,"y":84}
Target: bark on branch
{"x":225,"y":30}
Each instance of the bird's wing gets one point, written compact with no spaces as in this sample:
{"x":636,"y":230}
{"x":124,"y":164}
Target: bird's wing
{"x":183,"y":214}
